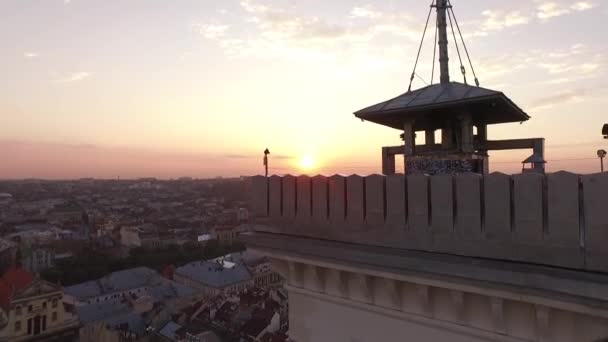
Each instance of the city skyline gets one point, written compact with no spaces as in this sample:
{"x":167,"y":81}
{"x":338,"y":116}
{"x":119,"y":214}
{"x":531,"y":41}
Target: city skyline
{"x":200,"y":88}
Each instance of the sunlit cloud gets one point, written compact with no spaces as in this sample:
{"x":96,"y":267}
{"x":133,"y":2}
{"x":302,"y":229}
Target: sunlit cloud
{"x":212,"y":31}
{"x":365,"y":12}
{"x":582,"y":6}
{"x":547,"y":10}
{"x":499,"y":20}
{"x":568,"y":96}
{"x":77,"y":76}
{"x":278,"y":32}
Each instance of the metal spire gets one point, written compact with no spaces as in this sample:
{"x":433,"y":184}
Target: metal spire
{"x":442,"y":6}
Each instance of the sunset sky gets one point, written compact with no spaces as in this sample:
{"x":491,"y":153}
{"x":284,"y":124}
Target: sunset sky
{"x":169,"y":88}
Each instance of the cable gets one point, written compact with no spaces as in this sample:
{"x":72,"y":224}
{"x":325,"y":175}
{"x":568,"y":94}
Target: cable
{"x":462,"y":69}
{"x":435,"y":49}
{"x":409,"y":88}
{"x":463,"y":43}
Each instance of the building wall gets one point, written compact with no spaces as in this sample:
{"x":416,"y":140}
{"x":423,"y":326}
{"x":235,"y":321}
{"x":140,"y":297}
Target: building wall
{"x":315,"y":320}
{"x":20,"y":314}
{"x":130,"y":237}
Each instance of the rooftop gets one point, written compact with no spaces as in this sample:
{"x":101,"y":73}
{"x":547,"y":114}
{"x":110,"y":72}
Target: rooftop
{"x":214,"y":274}
{"x":113,"y":282}
{"x":444,"y":100}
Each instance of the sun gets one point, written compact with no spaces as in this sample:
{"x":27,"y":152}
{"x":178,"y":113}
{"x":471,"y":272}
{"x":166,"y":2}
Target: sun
{"x":307,"y":162}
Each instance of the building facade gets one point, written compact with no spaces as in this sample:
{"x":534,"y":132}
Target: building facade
{"x":33,"y":309}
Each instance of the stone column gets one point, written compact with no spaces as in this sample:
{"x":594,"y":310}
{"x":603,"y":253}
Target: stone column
{"x":388,"y":162}
{"x":409,"y":138}
{"x":409,"y":141}
{"x":466,"y":131}
{"x":446,"y":136}
{"x":429,"y":137}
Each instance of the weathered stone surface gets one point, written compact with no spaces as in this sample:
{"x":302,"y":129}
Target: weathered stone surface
{"x":304,"y":197}
{"x":259,"y":196}
{"x":442,"y":213}
{"x":374,"y":199}
{"x":528,"y":218}
{"x":497,"y":216}
{"x":467,"y":225}
{"x":562,"y":236}
{"x":595,"y":190}
{"x":289,"y":197}
{"x":355,"y":201}
{"x":337,"y":199}
{"x":395,"y":201}
{"x":442,"y":205}
{"x":320,"y":199}
{"x":419,"y":235}
{"x":468,"y":206}
{"x":276,"y":196}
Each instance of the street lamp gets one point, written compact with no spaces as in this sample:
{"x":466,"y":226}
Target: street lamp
{"x":605,"y":131}
{"x":601,"y":154}
{"x":266,"y":153}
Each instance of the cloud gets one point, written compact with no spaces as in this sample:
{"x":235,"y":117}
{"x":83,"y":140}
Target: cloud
{"x":283,"y":32}
{"x":568,"y":96}
{"x":548,"y":10}
{"x":30,"y":54}
{"x":237,"y":156}
{"x":365,"y":12}
{"x":77,"y":76}
{"x":582,"y":6}
{"x":212,"y":31}
{"x":283,"y":157}
{"x":499,"y":20}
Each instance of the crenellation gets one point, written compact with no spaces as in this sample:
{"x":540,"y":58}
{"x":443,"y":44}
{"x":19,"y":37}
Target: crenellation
{"x":375,"y":201}
{"x":337,"y":200}
{"x":289,"y":197}
{"x":355,"y":202}
{"x":528,"y":195}
{"x":556,"y":219}
{"x":595,"y":189}
{"x":304,"y":199}
{"x":442,"y":212}
{"x":320,"y":200}
{"x":275,"y":188}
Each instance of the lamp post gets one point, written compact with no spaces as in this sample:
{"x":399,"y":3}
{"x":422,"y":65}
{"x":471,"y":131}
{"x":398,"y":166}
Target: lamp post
{"x":605,"y":131}
{"x":601,"y":154}
{"x":266,"y":153}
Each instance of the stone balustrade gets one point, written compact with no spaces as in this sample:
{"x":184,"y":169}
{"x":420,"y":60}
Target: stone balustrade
{"x":558,"y":219}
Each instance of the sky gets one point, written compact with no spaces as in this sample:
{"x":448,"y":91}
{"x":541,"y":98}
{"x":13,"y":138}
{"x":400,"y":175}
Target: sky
{"x":170,"y":88}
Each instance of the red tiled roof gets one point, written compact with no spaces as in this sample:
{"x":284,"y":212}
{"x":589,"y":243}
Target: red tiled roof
{"x":18,"y":278}
{"x":11,"y":282}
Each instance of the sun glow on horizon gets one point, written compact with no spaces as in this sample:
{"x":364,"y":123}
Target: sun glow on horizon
{"x":307,"y":162}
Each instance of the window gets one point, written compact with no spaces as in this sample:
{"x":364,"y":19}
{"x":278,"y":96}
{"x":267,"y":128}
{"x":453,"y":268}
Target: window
{"x":18,"y":310}
{"x":18,"y":326}
{"x":54,"y":303}
{"x":44,"y":305}
{"x":29,"y":308}
{"x":54,"y":317}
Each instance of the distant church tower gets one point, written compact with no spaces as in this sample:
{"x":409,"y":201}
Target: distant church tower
{"x":85,"y":228}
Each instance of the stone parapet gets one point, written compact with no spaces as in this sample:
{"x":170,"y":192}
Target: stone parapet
{"x":558,"y":219}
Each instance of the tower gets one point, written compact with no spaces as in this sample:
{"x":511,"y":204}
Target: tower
{"x":456,"y":109}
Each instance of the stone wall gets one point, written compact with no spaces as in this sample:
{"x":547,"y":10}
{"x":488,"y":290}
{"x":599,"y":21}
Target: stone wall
{"x":559,"y":219}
